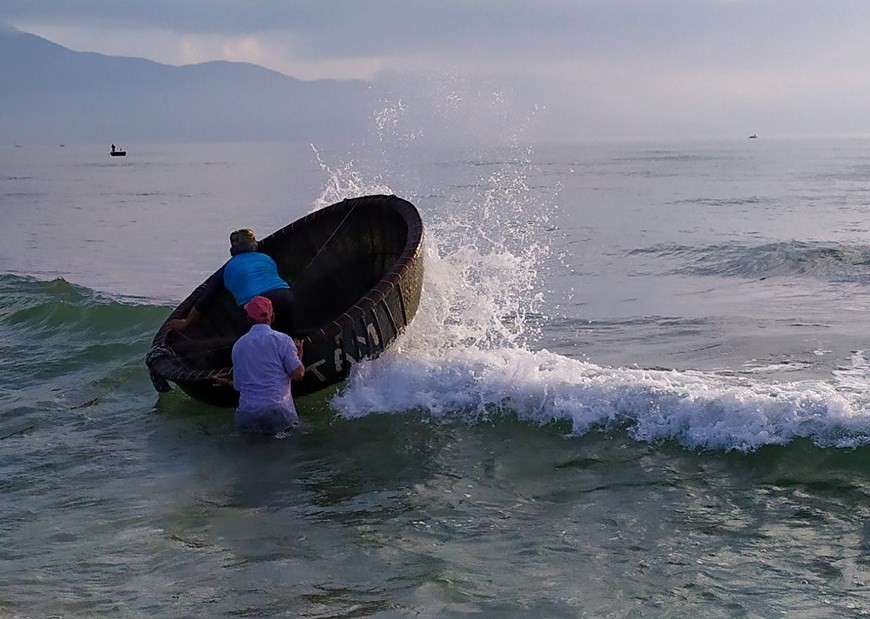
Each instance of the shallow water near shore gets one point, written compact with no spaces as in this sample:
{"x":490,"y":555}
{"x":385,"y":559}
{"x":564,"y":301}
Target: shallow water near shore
{"x":636,"y":386}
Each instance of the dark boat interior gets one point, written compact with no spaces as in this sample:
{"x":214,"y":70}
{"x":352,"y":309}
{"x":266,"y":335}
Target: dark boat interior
{"x":331,"y":260}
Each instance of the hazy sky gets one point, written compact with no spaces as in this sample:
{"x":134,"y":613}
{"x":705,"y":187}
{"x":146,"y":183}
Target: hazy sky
{"x":594,"y":68}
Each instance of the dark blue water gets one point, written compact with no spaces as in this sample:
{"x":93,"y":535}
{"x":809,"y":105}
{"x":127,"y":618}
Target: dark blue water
{"x":636,"y":386}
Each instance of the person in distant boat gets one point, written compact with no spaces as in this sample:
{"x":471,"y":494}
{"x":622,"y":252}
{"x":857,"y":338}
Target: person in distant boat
{"x":247,"y":274}
{"x":265,"y":362}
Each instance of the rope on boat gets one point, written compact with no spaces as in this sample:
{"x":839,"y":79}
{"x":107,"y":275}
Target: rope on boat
{"x":322,"y":247}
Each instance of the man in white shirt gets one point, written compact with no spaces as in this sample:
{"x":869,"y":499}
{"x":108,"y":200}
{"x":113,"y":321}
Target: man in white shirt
{"x":265,"y":362}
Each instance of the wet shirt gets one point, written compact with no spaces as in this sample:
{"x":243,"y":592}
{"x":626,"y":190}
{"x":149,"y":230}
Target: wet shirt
{"x":251,"y":273}
{"x":263,"y":360}
{"x":245,"y":275}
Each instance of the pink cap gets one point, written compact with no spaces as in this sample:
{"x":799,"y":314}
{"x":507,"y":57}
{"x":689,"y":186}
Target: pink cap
{"x":259,"y":309}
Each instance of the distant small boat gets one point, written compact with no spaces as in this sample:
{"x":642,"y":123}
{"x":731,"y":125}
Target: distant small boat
{"x":753,"y":136}
{"x":118,"y":153}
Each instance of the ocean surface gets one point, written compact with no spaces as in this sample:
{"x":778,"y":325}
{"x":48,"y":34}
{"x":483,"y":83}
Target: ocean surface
{"x":638,"y":386}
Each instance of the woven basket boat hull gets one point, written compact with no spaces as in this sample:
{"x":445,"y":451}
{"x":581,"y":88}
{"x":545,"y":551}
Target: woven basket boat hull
{"x":356,"y":268}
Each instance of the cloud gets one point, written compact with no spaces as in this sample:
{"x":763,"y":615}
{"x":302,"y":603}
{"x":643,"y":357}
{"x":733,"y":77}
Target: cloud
{"x":494,"y":28}
{"x":631,"y":61}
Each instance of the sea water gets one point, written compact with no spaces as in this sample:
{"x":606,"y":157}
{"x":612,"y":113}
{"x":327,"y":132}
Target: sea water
{"x":637,"y":385}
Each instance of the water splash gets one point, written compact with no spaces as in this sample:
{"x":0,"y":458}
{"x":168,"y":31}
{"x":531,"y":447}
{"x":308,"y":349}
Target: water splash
{"x":389,"y":125}
{"x":469,"y":353}
{"x":345,"y":181}
{"x":482,"y":256}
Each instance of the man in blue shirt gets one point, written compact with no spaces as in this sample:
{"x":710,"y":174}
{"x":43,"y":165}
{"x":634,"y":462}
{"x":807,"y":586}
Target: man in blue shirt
{"x":265,"y":362}
{"x":247,"y":274}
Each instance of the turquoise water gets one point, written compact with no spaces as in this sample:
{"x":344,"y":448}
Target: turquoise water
{"x":636,"y":386}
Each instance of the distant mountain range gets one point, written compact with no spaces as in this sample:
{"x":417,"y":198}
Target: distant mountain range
{"x":50,"y":94}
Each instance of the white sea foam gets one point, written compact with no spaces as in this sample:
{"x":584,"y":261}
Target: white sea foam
{"x":697,"y":410}
{"x":469,"y":353}
{"x":465,"y":356}
{"x":462,"y":358}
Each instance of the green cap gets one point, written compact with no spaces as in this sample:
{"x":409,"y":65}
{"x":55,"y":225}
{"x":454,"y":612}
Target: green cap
{"x":242,"y":241}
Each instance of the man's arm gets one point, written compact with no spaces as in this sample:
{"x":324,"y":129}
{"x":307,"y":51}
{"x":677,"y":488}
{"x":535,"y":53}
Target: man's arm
{"x":299,"y":371}
{"x":180,"y":324}
{"x":212,"y":288}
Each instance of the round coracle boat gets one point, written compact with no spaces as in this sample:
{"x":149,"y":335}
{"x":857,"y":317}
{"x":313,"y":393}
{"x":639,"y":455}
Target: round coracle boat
{"x":356,"y":270}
